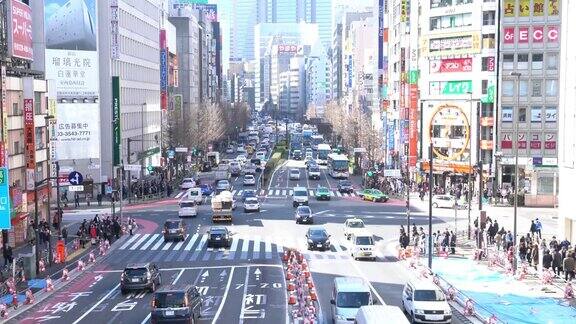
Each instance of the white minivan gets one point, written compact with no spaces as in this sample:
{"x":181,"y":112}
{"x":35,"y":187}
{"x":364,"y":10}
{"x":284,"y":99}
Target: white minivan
{"x":374,"y":314}
{"x":299,"y":196}
{"x":187,"y":208}
{"x":348,"y":295}
{"x":424,"y":302}
{"x":194,"y":194}
{"x":362,"y":245}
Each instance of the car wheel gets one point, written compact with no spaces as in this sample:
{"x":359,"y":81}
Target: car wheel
{"x":245,"y":210}
{"x":435,"y":205}
{"x":258,"y":210}
{"x":123,"y":291}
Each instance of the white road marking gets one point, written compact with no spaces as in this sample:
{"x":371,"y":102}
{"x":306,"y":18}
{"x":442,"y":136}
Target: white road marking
{"x":245,"y":244}
{"x":130,"y":241}
{"x":140,"y":241}
{"x":256,"y":244}
{"x":234,"y":244}
{"x":270,"y":192}
{"x":338,"y":193}
{"x":240,"y":192}
{"x":367,"y":281}
{"x":202,"y":242}
{"x":150,"y":241}
{"x":98,"y":304}
{"x":192,"y":241}
{"x":221,"y":306}
{"x":291,"y":191}
{"x":179,"y":244}
{"x":167,"y":245}
{"x":311,"y":192}
{"x":284,"y":192}
{"x":277,"y":192}
{"x":202,"y":268}
{"x":268,"y":244}
{"x":337,"y":247}
{"x":178,"y":276}
{"x":157,"y":245}
{"x":233,"y":192}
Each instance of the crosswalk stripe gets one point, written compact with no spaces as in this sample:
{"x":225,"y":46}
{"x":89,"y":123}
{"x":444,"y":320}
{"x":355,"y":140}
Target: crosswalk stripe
{"x":277,"y":193}
{"x":132,"y":239}
{"x":311,"y":192}
{"x":268,"y":244}
{"x":202,"y":242}
{"x":233,"y":192}
{"x":291,"y":191}
{"x":283,"y":192}
{"x":157,"y":245}
{"x":245,"y":244}
{"x":331,"y":193}
{"x":234,"y":245}
{"x":167,"y":245}
{"x":179,"y":244}
{"x":192,"y":241}
{"x":270,"y":192}
{"x":180,"y":194}
{"x":256,"y":243}
{"x":150,"y":241}
{"x":240,"y":192}
{"x":337,"y":247}
{"x":338,"y":193}
{"x":262,"y":192}
{"x":140,"y":241}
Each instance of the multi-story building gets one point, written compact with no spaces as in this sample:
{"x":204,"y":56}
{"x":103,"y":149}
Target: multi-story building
{"x":567,"y":123}
{"x":529,"y":52}
{"x":317,"y":78}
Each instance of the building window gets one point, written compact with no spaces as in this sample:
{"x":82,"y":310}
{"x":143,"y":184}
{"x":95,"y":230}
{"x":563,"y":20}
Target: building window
{"x":551,"y":114}
{"x":552,"y":61}
{"x":488,"y":63}
{"x":551,"y":88}
{"x":522,"y":115}
{"x":37,"y":103}
{"x":537,"y":60}
{"x":440,"y":3}
{"x":488,"y":18}
{"x":452,"y":21}
{"x":16,"y":109}
{"x":39,"y":137}
{"x":508,"y":88}
{"x":487,"y":109}
{"x":523,"y":61}
{"x":536,"y":114}
{"x":484,"y":86}
{"x":546,"y":184}
{"x":507,"y":114}
{"x":17,"y":148}
{"x":523,"y":88}
{"x":488,"y":41}
{"x":508,"y":61}
{"x":536,"y":88}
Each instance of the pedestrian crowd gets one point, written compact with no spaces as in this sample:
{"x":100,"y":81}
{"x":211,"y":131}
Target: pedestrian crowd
{"x":98,"y":229}
{"x":444,"y":242}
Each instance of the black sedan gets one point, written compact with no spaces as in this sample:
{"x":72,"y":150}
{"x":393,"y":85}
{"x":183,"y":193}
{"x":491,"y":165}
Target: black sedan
{"x":219,"y":236}
{"x":318,"y":238}
{"x":303,"y":214}
{"x":345,"y":186}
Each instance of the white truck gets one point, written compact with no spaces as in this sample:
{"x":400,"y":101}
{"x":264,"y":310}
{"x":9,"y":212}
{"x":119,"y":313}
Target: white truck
{"x":222,"y":207}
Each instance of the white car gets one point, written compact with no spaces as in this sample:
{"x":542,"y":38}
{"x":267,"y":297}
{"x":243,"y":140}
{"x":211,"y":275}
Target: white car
{"x":251,"y":204}
{"x":249,"y":180}
{"x":352,"y":225}
{"x":294,"y":174}
{"x":261,"y":155}
{"x":187,"y":183}
{"x":443,"y":201}
{"x":241,"y":159}
{"x":230,"y":150}
{"x":187,"y":208}
{"x":240,"y":149}
{"x":424,"y":302}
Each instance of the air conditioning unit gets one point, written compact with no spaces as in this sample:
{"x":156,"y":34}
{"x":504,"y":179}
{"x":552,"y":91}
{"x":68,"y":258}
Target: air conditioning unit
{"x":71,"y":28}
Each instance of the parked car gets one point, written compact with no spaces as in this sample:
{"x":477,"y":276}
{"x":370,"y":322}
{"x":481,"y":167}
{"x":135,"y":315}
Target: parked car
{"x":174,"y":229}
{"x":219,"y":236}
{"x":176,"y":304}
{"x":303,"y":214}
{"x":374,"y":195}
{"x":317,"y":238}
{"x":251,"y":204}
{"x":140,"y":276}
{"x":345,"y":186}
{"x":322,"y":193}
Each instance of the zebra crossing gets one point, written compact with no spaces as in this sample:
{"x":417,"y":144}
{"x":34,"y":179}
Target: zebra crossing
{"x":281,"y":192}
{"x":137,"y":248}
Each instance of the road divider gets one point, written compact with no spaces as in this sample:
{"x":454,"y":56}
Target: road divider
{"x":302,"y":295}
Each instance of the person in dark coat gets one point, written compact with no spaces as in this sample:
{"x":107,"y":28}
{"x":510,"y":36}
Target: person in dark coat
{"x":452,"y":243}
{"x":404,"y":240}
{"x":547,"y":260}
{"x":556,"y":262}
{"x":532,"y":227}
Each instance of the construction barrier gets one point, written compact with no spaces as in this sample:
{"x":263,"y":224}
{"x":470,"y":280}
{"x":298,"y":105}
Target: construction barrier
{"x":302,"y":295}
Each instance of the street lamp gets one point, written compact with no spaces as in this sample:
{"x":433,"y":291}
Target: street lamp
{"x":516,"y":181}
{"x":470,"y":167}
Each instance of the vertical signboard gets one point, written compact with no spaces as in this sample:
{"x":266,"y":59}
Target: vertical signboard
{"x":116,"y":139}
{"x":4,"y":199}
{"x":19,"y":34}
{"x":413,"y":120}
{"x":163,"y":71}
{"x":3,"y":95}
{"x":114,"y":31}
{"x":29,"y":139}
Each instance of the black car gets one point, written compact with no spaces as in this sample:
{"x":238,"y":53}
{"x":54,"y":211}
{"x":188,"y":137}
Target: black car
{"x":175,"y":304}
{"x":303,"y":214}
{"x":219,"y":236}
{"x":345,"y":186}
{"x":139,"y":276}
{"x":318,"y":238}
{"x":174,"y":229}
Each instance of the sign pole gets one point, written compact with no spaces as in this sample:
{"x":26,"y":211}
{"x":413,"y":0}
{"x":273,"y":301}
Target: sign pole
{"x":430,"y":186}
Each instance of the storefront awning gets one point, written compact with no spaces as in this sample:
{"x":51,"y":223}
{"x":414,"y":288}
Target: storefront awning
{"x":441,"y":167}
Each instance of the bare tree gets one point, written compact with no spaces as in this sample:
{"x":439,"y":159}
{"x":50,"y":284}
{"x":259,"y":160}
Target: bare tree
{"x":312,"y":111}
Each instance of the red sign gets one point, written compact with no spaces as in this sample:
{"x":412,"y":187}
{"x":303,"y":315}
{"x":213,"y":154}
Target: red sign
{"x":522,"y":141}
{"x":550,"y":141}
{"x":451,"y":65}
{"x":537,"y":34}
{"x":29,"y":134}
{"x":3,"y":103}
{"x":552,"y":34}
{"x":20,"y":30}
{"x":491,"y":64}
{"x":509,"y":35}
{"x":413,"y":120}
{"x":523,"y":35}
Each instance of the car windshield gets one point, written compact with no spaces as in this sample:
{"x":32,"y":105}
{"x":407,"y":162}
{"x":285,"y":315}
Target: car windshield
{"x":222,"y":184}
{"x":304,"y":210}
{"x":318,"y":233}
{"x":249,"y":177}
{"x":294,"y":172}
{"x":345,"y":183}
{"x":251,"y":201}
{"x":323,"y":190}
{"x":171,"y":225}
{"x":376,"y":192}
{"x":429,"y":295}
{"x":300,"y":193}
{"x":352,"y":299}
{"x":356,"y":224}
{"x":169,"y":300}
{"x":364,"y":240}
{"x":314,"y":169}
{"x":186,"y":180}
{"x":135,"y":272}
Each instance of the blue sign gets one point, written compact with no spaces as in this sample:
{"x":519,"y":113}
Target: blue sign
{"x":4,"y":199}
{"x":163,"y":69}
{"x":171,"y":154}
{"x":75,"y":178}
{"x":391,"y":132}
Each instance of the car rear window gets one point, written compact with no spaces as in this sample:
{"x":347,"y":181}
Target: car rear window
{"x":185,"y":204}
{"x":169,"y":300}
{"x":135,"y":272}
{"x":171,"y":224}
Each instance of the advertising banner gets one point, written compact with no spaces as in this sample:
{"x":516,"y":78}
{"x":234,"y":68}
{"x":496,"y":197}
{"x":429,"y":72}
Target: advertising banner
{"x":78,"y":131}
{"x":5,"y":208}
{"x":509,"y":8}
{"x":553,"y":7}
{"x":3,"y":102}
{"x":30,"y":143}
{"x":19,"y":30}
{"x":550,"y":141}
{"x":451,"y":65}
{"x":163,"y":71}
{"x":413,"y":120}
{"x":538,"y":8}
{"x":452,"y":44}
{"x":524,"y":8}
{"x":116,"y":136}
{"x":71,"y":47}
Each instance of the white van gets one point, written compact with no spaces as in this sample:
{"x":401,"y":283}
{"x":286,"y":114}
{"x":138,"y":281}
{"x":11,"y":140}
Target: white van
{"x":424,"y":302}
{"x":194,"y":194}
{"x":362,"y":245}
{"x":374,"y":314}
{"x":348,"y":295}
{"x":187,"y":208}
{"x":299,"y":196}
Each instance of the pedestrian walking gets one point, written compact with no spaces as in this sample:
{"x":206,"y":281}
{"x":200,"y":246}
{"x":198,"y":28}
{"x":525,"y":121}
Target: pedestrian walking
{"x":556,"y":262}
{"x":532,"y":227}
{"x":509,"y":240}
{"x":538,"y":228}
{"x":99,"y":199}
{"x":404,"y":240}
{"x":568,"y":265}
{"x":553,"y":244}
{"x":547,"y":260}
{"x":522,"y":251}
{"x":130,"y":225}
{"x":65,"y":234}
{"x":535,"y":256}
{"x":498,"y":240}
{"x":452,"y":242}
{"x":76,"y":200}
{"x":5,"y":254}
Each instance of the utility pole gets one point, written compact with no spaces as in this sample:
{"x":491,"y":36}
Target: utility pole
{"x":516,"y":178}
{"x":431,"y":184}
{"x":470,"y":189}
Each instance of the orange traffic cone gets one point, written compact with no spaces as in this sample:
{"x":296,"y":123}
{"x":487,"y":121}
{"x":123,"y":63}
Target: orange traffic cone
{"x":313,"y":295}
{"x":310,"y":283}
{"x":289,"y":275}
{"x":64,"y":274}
{"x":15,"y":300}
{"x":291,"y":299}
{"x":49,"y":284}
{"x":290,"y":286}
